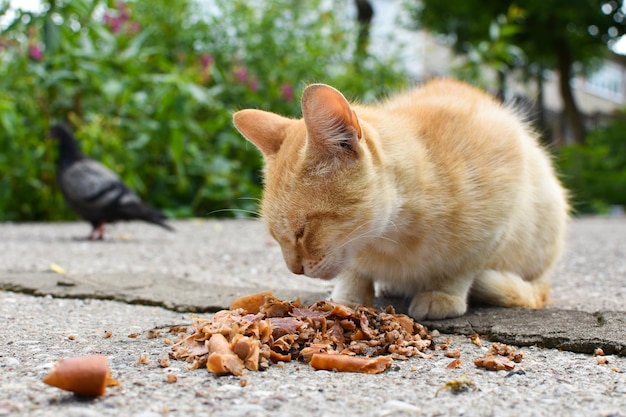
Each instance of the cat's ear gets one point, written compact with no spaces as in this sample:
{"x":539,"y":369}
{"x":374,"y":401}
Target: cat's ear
{"x":330,"y":121}
{"x":264,"y":129}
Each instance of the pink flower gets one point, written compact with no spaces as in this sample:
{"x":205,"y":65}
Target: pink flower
{"x":253,"y":84}
{"x":114,"y":23}
{"x":35,"y":52}
{"x":206,"y":60}
{"x":123,"y":10}
{"x":242,"y":75}
{"x":287,"y":90}
{"x":134,"y":27}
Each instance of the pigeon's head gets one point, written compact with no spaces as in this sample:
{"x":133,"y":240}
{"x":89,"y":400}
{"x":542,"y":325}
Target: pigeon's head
{"x":60,"y":131}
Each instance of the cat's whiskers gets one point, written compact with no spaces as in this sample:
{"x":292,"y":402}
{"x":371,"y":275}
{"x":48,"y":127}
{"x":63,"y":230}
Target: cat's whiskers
{"x":357,"y":228}
{"x":258,"y":200}
{"x":395,"y":226}
{"x":253,"y":212}
{"x":368,"y":234}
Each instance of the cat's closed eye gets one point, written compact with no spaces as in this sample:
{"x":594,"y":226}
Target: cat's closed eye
{"x":300,"y":233}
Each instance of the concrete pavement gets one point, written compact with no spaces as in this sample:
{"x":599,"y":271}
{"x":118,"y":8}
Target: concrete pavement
{"x":142,"y":278}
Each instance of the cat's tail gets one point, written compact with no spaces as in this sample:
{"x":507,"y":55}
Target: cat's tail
{"x":507,"y":289}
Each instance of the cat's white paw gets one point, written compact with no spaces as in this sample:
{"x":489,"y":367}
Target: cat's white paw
{"x":351,"y":291}
{"x":436,"y":305}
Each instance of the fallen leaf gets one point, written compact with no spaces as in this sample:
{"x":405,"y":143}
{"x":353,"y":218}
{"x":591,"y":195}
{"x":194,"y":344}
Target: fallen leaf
{"x":457,"y":385}
{"x":57,"y":268}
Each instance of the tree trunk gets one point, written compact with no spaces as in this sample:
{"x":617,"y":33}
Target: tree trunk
{"x":541,"y":110}
{"x":501,"y":93}
{"x":365,"y":13}
{"x":573,"y":116}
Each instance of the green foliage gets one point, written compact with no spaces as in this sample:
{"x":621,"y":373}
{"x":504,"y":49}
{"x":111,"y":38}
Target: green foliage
{"x":595,"y":173}
{"x":553,"y":34}
{"x":541,"y":29}
{"x":496,"y":50}
{"x":149,"y":87}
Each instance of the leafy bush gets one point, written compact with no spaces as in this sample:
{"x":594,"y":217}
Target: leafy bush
{"x":595,"y":173}
{"x":150,"y":85}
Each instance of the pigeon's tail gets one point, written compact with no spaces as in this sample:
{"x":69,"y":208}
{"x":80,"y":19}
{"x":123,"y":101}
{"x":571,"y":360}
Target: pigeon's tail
{"x":151,"y":215}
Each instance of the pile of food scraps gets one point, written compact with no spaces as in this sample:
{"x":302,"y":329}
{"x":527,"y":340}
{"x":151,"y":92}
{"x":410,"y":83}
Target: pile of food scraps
{"x":260,"y":329}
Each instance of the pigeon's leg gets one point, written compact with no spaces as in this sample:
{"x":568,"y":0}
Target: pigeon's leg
{"x":97,"y":233}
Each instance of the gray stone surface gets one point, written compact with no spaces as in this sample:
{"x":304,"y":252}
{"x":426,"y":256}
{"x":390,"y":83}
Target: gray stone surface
{"x":576,"y":331}
{"x":142,"y":278}
{"x":160,"y":290}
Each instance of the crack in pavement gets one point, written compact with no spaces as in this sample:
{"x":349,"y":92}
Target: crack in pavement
{"x":572,"y":330}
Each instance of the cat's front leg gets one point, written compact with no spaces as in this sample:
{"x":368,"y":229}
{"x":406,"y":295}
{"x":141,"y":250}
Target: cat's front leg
{"x":352,"y":288}
{"x":448,"y":301}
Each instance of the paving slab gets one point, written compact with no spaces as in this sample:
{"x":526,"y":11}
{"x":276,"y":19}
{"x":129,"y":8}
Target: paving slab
{"x":160,"y":290}
{"x":571,"y":330}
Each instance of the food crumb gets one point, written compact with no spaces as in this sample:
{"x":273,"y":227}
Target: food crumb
{"x":71,"y":337}
{"x":133,"y":335}
{"x":108,"y":333}
{"x":143,"y":359}
{"x":178,"y":329}
{"x":164,"y":362}
{"x":501,"y":357}
{"x":167,"y":341}
{"x":243,"y":382}
{"x":475,"y":339}
{"x":602,"y":360}
{"x":456,"y":363}
{"x":598,"y":352}
{"x":171,"y":378}
{"x":154,"y":333}
{"x":456,"y":353}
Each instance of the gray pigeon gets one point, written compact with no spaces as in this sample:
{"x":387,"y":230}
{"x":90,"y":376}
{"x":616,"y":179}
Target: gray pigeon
{"x":95,"y":192}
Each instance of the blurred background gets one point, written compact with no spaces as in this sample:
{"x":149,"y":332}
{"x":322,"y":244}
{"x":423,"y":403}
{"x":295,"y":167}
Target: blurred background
{"x":149,"y":86}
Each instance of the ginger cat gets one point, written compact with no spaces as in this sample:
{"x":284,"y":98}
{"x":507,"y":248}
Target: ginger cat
{"x":438,"y":194}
